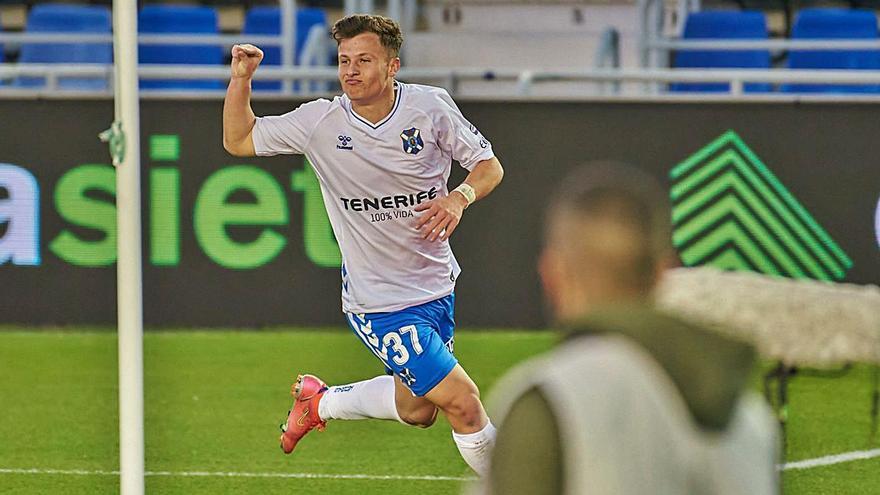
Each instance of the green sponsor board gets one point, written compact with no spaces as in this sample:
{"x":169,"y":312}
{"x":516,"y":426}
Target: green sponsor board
{"x":84,"y":198}
{"x":246,"y":242}
{"x":730,"y":211}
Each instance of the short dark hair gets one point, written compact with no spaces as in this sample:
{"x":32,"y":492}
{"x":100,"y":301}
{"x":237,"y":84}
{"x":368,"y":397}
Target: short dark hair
{"x":353,"y":25}
{"x":626,"y":196}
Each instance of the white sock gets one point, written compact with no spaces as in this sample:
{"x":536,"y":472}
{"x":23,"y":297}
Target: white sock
{"x":475,"y":448}
{"x":369,"y":399}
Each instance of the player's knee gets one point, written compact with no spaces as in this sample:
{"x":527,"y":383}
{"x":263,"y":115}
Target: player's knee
{"x":422,"y":417}
{"x":466,"y":408}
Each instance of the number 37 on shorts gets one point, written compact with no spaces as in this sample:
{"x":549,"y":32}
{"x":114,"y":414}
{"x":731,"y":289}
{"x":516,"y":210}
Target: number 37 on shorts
{"x":415,"y":346}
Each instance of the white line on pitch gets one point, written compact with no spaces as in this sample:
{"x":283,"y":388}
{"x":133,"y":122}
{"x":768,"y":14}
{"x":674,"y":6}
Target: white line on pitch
{"x":805,"y":464}
{"x":83,"y":472}
{"x":828,"y":460}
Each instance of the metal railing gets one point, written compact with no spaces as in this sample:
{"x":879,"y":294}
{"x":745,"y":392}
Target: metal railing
{"x":523,"y":83}
{"x":770,"y":44}
{"x":307,"y":76}
{"x":144,"y":39}
{"x":736,"y":78}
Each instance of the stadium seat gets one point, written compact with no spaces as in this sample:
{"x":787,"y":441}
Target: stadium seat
{"x":267,"y":21}
{"x":822,"y":23}
{"x":179,"y":19}
{"x":63,"y":18}
{"x":723,"y":25}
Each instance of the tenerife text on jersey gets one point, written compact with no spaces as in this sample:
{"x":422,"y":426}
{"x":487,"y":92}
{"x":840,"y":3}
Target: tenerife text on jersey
{"x":389,"y":202}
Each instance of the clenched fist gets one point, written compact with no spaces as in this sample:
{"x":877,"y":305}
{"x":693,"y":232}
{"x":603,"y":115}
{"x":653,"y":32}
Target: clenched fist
{"x":245,"y":60}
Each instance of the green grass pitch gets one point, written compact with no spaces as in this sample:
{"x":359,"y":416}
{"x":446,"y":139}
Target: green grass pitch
{"x":214,"y":400}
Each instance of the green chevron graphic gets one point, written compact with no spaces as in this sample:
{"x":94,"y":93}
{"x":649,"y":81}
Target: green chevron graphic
{"x":729,"y":211}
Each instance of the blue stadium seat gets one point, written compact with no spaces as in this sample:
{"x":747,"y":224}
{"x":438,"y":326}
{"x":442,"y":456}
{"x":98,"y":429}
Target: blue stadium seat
{"x":723,"y":25}
{"x":62,"y":18}
{"x":267,"y":21}
{"x":834,"y":24}
{"x":179,"y":19}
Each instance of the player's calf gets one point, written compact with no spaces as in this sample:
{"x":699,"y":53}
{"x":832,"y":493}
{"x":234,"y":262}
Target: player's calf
{"x":423,"y":416}
{"x":413,"y":410}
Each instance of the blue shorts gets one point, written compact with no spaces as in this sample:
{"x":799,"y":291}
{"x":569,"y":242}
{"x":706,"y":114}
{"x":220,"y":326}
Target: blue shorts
{"x":415,"y":343}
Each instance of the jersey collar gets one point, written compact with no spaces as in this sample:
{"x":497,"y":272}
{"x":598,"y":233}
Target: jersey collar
{"x":397,"y":97}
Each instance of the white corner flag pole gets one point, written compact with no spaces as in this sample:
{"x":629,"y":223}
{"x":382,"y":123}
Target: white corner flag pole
{"x":124,"y":139}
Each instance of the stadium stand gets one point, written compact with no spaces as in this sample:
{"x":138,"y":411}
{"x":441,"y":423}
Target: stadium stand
{"x":62,"y":18}
{"x":267,"y":20}
{"x":723,"y":25}
{"x":824,"y":23}
{"x":561,"y":35}
{"x":179,"y":19}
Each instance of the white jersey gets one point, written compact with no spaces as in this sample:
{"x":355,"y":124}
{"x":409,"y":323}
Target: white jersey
{"x":372,"y":176}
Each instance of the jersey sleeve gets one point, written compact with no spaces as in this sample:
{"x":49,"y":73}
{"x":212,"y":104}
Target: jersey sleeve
{"x":458,"y":136}
{"x":288,"y":134}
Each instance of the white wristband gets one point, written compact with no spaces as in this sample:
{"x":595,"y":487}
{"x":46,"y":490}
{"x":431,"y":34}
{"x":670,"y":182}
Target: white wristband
{"x":468,"y":192}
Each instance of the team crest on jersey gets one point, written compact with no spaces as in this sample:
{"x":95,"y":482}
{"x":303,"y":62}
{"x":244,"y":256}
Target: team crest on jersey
{"x":412,"y":141}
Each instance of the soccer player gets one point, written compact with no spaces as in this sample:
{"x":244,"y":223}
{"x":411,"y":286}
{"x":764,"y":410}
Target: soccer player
{"x":382,"y":153}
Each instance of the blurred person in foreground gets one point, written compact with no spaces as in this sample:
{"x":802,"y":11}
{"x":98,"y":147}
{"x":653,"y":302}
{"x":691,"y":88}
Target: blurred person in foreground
{"x":633,"y":401}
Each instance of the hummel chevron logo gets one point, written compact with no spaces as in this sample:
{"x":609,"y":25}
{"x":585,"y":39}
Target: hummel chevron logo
{"x":730,"y":211}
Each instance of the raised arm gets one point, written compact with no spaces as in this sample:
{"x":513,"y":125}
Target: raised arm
{"x":238,"y":117}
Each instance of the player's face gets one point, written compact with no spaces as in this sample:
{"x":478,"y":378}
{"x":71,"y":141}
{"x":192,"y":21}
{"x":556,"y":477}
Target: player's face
{"x":365,"y":68}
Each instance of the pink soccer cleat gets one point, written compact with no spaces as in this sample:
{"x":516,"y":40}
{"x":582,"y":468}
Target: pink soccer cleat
{"x":303,"y":416}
